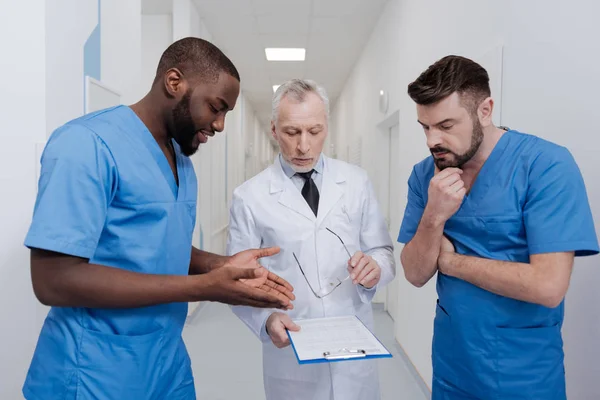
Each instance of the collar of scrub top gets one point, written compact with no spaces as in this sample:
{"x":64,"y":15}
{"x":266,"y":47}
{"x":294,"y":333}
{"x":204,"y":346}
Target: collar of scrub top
{"x":289,"y":171}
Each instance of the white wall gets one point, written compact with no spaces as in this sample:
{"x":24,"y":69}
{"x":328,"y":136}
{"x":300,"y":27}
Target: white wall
{"x":119,"y":58}
{"x":549,"y":87}
{"x":157,"y":35}
{"x":65,"y":39}
{"x":43,"y":59}
{"x":22,"y":112}
{"x":121,"y":44}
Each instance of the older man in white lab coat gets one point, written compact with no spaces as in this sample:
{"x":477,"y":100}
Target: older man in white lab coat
{"x":322,"y":212}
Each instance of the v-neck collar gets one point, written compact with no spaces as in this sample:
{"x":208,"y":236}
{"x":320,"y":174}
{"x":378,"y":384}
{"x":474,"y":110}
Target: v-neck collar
{"x":486,"y":176}
{"x":161,"y":160}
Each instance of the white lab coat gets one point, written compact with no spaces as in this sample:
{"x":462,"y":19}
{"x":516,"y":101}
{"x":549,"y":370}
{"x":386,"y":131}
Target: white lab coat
{"x":268,"y":210}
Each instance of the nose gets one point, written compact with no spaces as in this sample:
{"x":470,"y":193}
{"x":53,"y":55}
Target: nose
{"x":219,"y":124}
{"x":434,"y":138}
{"x":304,"y":143}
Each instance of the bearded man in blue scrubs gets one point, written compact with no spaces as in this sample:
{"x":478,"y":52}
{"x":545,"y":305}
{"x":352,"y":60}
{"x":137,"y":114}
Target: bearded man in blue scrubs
{"x":500,"y":215}
{"x":111,"y":239}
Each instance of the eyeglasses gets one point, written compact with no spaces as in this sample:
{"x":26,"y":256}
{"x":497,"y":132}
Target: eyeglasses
{"x":331,"y":285}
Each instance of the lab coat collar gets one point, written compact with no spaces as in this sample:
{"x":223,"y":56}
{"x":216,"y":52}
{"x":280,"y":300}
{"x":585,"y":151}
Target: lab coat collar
{"x":291,"y":197}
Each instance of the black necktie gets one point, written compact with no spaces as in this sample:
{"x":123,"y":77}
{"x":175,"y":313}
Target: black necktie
{"x":310,"y":191}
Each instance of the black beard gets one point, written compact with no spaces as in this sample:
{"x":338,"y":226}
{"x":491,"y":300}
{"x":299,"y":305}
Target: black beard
{"x":461,"y":159}
{"x":184,"y":128}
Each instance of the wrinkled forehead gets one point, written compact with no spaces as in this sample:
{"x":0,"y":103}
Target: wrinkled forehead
{"x":305,"y":113}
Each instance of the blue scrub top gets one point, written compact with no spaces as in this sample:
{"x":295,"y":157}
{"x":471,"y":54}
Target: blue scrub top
{"x":529,"y":198}
{"x":108,"y":194}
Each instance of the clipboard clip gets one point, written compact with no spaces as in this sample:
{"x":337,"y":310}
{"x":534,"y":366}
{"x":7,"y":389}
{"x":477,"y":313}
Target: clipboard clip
{"x":344,"y":353}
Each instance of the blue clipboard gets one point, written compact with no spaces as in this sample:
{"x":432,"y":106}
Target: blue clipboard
{"x":343,"y":354}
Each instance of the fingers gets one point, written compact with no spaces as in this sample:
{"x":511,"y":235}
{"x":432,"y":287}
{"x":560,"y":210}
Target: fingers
{"x":358,"y":269}
{"x":280,"y":288}
{"x":355,"y":259}
{"x":448,"y":181}
{"x":245,"y":273}
{"x":371,"y":279}
{"x":370,"y":265}
{"x":289,"y":324}
{"x":446,"y":173}
{"x":258,"y":297}
{"x":284,"y":299}
{"x":277,"y":330}
{"x":280,"y":281}
{"x":266,"y":252}
{"x":456,"y":186}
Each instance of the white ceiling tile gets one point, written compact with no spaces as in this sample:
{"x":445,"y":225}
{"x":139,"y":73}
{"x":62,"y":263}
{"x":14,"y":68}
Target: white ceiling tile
{"x":283,"y":40}
{"x":223,"y":9}
{"x":327,"y":8}
{"x":332,"y":31}
{"x":237,"y":26}
{"x":274,"y":24}
{"x":289,"y":69}
{"x":286,"y":9}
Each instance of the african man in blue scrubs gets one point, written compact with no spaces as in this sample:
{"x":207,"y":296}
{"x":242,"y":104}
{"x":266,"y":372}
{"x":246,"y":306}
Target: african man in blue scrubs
{"x":111,"y":239}
{"x":500,"y":216}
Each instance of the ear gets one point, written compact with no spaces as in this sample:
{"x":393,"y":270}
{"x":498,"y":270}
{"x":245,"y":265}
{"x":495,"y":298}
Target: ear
{"x":273,"y":131}
{"x":485,"y":111}
{"x":175,"y":84}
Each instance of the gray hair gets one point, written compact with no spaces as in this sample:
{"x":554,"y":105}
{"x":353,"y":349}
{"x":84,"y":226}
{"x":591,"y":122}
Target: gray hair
{"x":297,"y":89}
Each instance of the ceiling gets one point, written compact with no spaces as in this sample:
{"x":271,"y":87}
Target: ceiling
{"x":333,"y":32}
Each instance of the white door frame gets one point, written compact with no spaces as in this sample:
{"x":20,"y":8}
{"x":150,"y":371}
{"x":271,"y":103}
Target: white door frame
{"x":383,"y":129}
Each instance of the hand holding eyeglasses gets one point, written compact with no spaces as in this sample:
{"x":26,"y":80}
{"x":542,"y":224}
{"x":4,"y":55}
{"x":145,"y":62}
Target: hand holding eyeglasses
{"x":364,"y":270}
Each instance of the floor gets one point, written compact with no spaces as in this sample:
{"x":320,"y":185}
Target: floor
{"x":227,"y":358}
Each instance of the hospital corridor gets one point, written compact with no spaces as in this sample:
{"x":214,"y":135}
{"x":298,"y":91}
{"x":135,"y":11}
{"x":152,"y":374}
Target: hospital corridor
{"x":299,"y":200}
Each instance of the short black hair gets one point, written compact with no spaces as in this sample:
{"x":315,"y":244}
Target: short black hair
{"x":195,"y":56}
{"x":448,"y":75}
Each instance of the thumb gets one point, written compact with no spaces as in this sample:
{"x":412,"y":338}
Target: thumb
{"x":289,"y":324}
{"x":245,"y":273}
{"x":266,"y":252}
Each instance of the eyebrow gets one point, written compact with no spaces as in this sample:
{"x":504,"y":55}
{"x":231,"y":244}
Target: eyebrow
{"x":286,"y":127}
{"x":439,"y":123}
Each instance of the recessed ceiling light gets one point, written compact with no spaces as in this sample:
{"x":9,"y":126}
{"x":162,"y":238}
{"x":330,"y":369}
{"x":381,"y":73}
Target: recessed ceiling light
{"x":275,"y":88}
{"x":285,"y":54}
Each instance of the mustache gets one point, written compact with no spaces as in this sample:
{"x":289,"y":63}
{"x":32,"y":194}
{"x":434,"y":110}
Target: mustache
{"x":436,"y":150}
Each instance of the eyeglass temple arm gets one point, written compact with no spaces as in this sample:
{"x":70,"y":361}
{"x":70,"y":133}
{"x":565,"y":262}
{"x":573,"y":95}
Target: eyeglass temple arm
{"x":305,"y":278}
{"x":343,"y":244}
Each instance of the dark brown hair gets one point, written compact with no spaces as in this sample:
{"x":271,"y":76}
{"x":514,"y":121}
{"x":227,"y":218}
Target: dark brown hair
{"x":448,"y":75}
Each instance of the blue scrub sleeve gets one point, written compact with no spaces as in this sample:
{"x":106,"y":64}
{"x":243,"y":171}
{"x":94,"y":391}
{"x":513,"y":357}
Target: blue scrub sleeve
{"x":414,"y":209}
{"x":557,"y":213}
{"x":77,"y":181}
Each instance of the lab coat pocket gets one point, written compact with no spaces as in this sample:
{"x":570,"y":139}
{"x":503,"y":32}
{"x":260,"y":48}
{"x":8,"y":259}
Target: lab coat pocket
{"x":530,"y":363}
{"x":119,"y":366}
{"x":345,"y":222}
